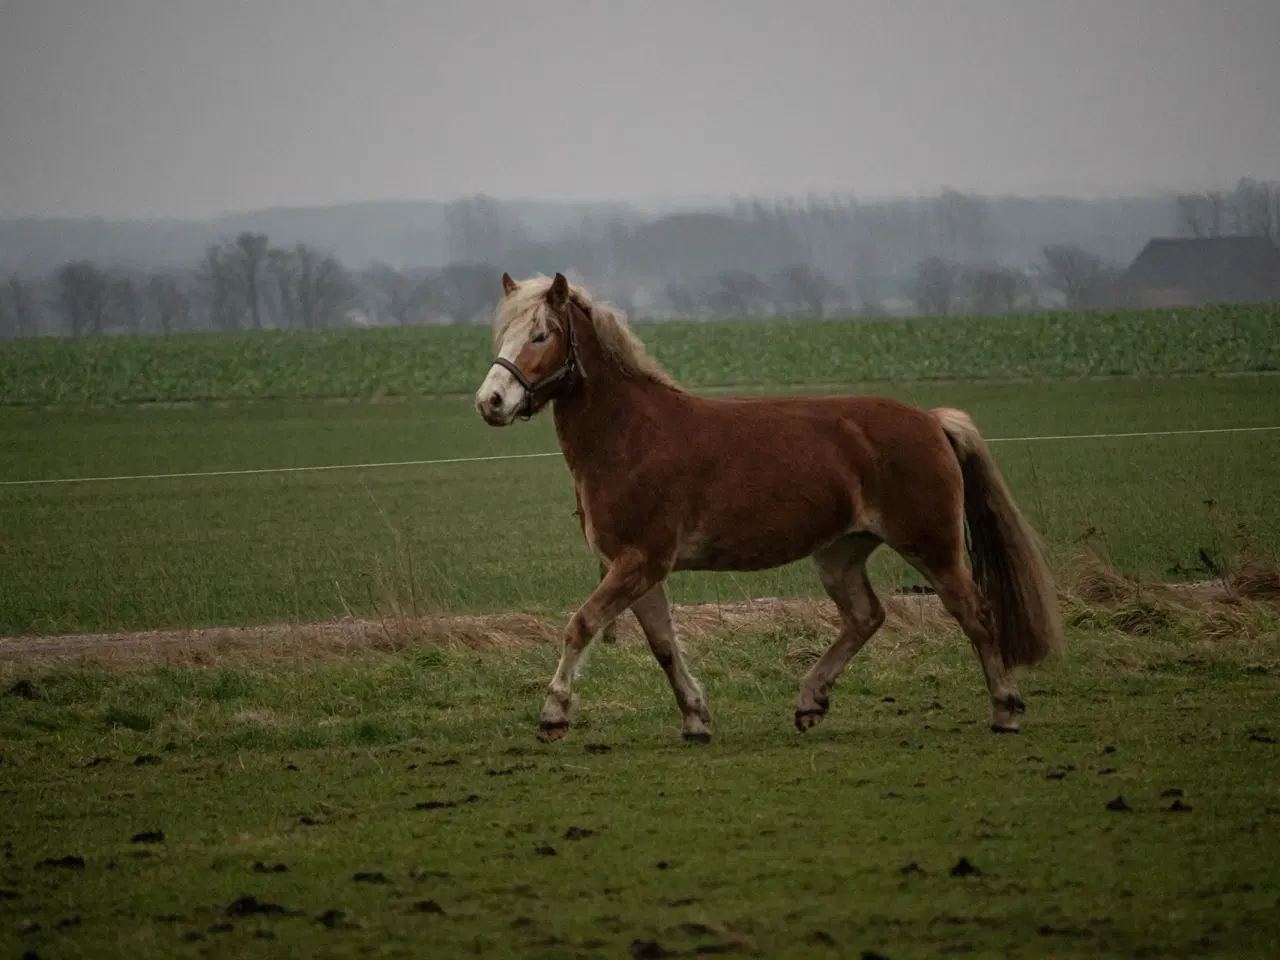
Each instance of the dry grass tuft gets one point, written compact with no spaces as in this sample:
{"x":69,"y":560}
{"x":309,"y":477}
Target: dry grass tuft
{"x":1255,"y":577}
{"x":1092,"y":578}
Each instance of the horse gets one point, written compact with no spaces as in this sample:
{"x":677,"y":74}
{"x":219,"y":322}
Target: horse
{"x":665,"y":481}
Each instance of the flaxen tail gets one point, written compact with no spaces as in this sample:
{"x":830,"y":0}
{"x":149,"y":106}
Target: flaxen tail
{"x":1008,"y":561}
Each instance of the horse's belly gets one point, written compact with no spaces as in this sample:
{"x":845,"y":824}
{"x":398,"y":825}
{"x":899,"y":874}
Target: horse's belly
{"x":768,"y":535}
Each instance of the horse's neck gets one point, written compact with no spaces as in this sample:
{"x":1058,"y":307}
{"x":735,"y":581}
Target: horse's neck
{"x":594,"y":424}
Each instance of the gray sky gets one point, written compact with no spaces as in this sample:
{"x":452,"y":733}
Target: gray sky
{"x":192,"y":107}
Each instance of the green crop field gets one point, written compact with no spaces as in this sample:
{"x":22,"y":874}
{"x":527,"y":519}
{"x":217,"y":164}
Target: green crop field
{"x":175,"y":794}
{"x":415,"y":361}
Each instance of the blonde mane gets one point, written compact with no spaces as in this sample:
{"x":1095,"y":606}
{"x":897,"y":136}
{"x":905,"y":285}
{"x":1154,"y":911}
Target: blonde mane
{"x":527,"y":307}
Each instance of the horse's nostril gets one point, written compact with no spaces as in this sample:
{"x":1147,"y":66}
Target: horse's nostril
{"x":495,"y":400}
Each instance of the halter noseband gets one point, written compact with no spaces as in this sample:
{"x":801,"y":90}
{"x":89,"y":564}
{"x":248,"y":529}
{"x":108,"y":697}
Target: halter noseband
{"x":570,"y":371}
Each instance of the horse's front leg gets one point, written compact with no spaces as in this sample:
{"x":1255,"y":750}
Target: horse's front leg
{"x":610,"y":632}
{"x":630,"y":576}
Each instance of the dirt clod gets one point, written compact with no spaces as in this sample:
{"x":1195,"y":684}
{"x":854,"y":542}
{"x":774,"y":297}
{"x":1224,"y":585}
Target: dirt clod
{"x":648,"y":950}
{"x":260,"y":867}
{"x":578,"y":833}
{"x":964,"y":868}
{"x":148,"y":836}
{"x":70,"y":862}
{"x":24,"y":689}
{"x":335,"y":920}
{"x":427,"y":906}
{"x":249,"y":906}
{"x":1119,"y":805}
{"x":371,"y":877}
{"x":696,"y":929}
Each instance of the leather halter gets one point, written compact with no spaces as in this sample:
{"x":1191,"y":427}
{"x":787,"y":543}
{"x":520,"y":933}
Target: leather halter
{"x":570,"y":371}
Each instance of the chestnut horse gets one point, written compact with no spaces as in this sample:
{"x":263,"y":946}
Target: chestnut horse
{"x":666,"y":481}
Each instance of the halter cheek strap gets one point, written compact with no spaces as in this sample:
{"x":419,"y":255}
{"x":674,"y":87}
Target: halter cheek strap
{"x":570,"y":371}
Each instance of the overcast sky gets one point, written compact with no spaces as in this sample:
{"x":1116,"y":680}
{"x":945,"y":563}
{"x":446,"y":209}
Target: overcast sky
{"x":191,"y":107}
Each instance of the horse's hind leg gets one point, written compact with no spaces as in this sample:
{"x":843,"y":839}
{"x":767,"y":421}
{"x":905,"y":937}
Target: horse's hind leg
{"x":964,"y":601}
{"x":653,"y":610}
{"x":843,"y":571}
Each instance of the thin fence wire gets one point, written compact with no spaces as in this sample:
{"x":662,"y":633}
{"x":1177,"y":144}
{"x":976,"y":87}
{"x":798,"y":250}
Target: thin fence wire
{"x":389,"y":464}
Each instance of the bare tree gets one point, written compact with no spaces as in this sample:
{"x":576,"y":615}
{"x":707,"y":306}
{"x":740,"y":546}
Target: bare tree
{"x":993,"y":289}
{"x":126,"y":308}
{"x":167,"y":303}
{"x":18,"y":316}
{"x":1251,"y":209}
{"x":402,"y":295}
{"x":1257,"y":208}
{"x":935,"y":287}
{"x":1081,"y":277}
{"x":740,"y":293}
{"x":312,"y":287}
{"x":804,"y":289}
{"x":219,"y":286}
{"x":83,"y":297}
{"x":681,"y":300}
{"x":251,"y":250}
{"x":464,"y":291}
{"x":962,"y":226}
{"x":481,"y":229}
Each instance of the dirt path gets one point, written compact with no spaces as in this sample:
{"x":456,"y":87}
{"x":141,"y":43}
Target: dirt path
{"x":274,"y":642}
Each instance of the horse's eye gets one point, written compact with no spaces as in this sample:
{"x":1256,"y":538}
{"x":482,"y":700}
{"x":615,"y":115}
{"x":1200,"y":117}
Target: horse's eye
{"x":539,"y":337}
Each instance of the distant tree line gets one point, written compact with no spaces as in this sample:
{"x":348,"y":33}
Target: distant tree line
{"x":944,"y":255}
{"x":1251,"y":209}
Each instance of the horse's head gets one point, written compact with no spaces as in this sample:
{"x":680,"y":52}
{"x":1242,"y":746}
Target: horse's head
{"x":537,"y":355}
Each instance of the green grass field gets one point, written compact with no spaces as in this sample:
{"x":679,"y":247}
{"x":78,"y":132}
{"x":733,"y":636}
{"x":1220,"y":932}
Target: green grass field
{"x":412,"y":812}
{"x":420,"y":361}
{"x":491,"y":536}
{"x":387,"y":796}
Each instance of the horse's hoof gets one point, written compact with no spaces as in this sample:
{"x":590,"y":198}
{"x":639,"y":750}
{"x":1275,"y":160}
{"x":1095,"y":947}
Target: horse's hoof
{"x":1013,"y":703}
{"x":698,"y":736}
{"x":1005,"y":728}
{"x":808,"y":719}
{"x":550,"y":732}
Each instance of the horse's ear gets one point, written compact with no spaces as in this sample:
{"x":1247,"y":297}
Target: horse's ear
{"x":509,"y":286}
{"x":559,"y":292}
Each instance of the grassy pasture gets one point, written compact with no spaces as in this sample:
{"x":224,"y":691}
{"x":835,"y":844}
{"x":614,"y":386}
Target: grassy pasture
{"x":394,"y":801}
{"x":479,"y":537}
{"x":418,"y":361}
{"x":412,"y":812}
